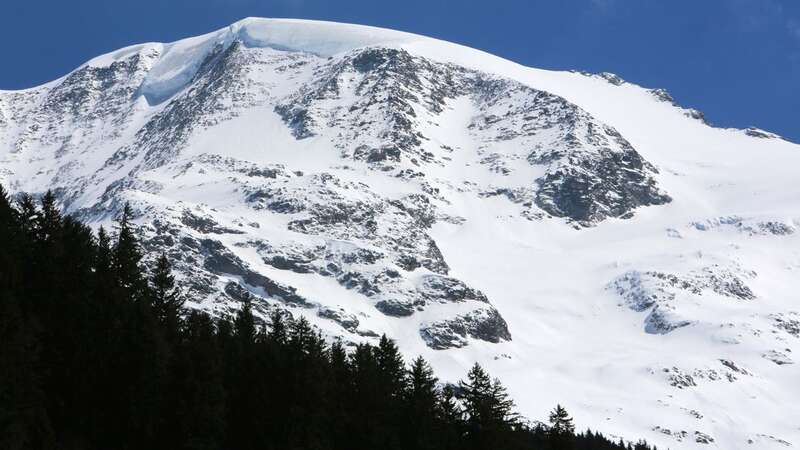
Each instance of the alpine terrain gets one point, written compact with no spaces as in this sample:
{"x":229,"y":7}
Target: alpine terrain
{"x":564,"y":229}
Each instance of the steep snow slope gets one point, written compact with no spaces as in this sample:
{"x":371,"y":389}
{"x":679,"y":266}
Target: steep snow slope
{"x":588,"y":240}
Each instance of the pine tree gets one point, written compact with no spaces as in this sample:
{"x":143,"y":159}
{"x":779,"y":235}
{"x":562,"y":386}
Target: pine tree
{"x":7,"y":212}
{"x":421,"y":391}
{"x":24,"y":422}
{"x":103,"y":262}
{"x":244,"y":326}
{"x":9,"y":236}
{"x":165,"y":297}
{"x":340,"y":392}
{"x":421,"y":398}
{"x":449,"y":410}
{"x":390,"y":367}
{"x":488,"y":409}
{"x":561,"y":422}
{"x":278,"y":332}
{"x":301,"y":336}
{"x":28,"y":216}
{"x":450,"y":417}
{"x":200,"y":413}
{"x":126,"y":257}
{"x":50,"y":217}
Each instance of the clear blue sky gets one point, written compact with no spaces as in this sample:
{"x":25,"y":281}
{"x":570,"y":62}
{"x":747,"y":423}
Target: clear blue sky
{"x":736,"y":60}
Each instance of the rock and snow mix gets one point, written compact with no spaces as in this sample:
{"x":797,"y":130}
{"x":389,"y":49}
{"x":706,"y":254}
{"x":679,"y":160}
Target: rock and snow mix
{"x":567,"y":230}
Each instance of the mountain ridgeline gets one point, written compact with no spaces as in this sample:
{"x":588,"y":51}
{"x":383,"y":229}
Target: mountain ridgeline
{"x":95,"y":353}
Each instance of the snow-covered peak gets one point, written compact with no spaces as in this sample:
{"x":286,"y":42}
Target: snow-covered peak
{"x":318,"y":37}
{"x":577,"y":234}
{"x":179,"y":61}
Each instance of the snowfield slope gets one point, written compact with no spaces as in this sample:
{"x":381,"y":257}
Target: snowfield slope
{"x":586,"y":239}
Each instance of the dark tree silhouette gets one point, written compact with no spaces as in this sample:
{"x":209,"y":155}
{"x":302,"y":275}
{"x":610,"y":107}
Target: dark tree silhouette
{"x":96,"y":352}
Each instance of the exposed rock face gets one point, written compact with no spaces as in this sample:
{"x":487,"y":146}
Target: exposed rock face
{"x":348,"y":321}
{"x":592,"y":189}
{"x":751,"y":226}
{"x":660,"y":293}
{"x":788,"y":322}
{"x":761,"y":134}
{"x":778,"y":357}
{"x":380,"y":86}
{"x":376,"y":106}
{"x":483,"y":324}
{"x":592,"y":172}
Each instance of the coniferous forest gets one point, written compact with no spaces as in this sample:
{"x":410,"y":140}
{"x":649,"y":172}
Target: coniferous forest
{"x":96,"y":352}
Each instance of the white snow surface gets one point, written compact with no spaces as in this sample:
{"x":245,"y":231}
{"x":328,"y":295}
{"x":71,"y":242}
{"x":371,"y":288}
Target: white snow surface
{"x":568,"y":293}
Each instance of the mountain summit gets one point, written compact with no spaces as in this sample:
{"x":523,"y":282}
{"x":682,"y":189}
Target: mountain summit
{"x":562,"y":228}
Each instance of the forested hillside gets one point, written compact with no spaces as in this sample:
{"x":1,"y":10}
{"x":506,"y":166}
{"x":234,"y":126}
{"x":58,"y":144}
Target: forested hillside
{"x":97,"y":353}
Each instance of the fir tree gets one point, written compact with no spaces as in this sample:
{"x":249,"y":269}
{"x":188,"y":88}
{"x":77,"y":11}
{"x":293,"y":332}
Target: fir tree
{"x":24,"y":422}
{"x":488,"y":409}
{"x":28,"y":217}
{"x":278,"y":332}
{"x":103,"y":261}
{"x":450,"y":417}
{"x":244,"y":326}
{"x":126,"y":256}
{"x":421,"y":400}
{"x":50,"y":217}
{"x":561,"y":422}
{"x":9,"y":235}
{"x":390,"y":367}
{"x":165,"y":297}
{"x":200,"y":411}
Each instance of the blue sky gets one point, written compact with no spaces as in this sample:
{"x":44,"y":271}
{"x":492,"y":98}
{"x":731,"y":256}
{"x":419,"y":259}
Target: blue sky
{"x":736,"y":60}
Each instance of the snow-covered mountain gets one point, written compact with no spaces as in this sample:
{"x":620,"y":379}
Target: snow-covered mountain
{"x":586,"y":239}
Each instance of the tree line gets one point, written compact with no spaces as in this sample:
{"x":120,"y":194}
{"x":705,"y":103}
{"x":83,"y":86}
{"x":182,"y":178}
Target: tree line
{"x":97,"y":352}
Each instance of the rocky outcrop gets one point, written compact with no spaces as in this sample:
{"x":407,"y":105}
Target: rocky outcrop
{"x":484,"y":324}
{"x":752,"y":226}
{"x":592,"y":172}
{"x":659,"y":292}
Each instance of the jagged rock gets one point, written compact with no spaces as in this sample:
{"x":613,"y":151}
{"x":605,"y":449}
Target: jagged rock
{"x":749,"y":226}
{"x":348,"y":321}
{"x":284,"y":263}
{"x":663,"y":95}
{"x":761,"y":134}
{"x":658,"y":292}
{"x":593,"y":173}
{"x":662,"y":321}
{"x":696,"y":414}
{"x":703,"y":438}
{"x":697,"y":115}
{"x":484,"y":324}
{"x":205,"y":225}
{"x":219,"y":260}
{"x":448,"y":290}
{"x":595,"y":189}
{"x":778,"y":357}
{"x":733,"y":367}
{"x":788,"y":322}
{"x":395,"y":308}
{"x":612,"y":78}
{"x":678,"y":435}
{"x":679,"y":379}
{"x":769,"y":438}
